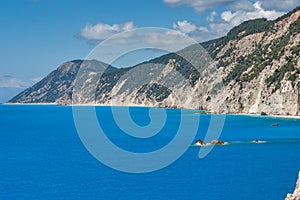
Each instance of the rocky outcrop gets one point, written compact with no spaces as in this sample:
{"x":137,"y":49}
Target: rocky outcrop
{"x":217,"y":142}
{"x":296,"y":194}
{"x":254,"y":69}
{"x":53,"y":87}
{"x":200,"y":143}
{"x":58,"y":86}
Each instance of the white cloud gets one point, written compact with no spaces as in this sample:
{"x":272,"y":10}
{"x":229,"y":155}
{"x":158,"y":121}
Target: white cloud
{"x":102,"y":31}
{"x":244,"y":5}
{"x":184,"y":26}
{"x":236,"y":11}
{"x":231,"y":19}
{"x":203,"y":29}
{"x":10,"y":86}
{"x":227,"y":16}
{"x":200,"y":5}
{"x":36,"y":79}
{"x":166,"y":39}
{"x":198,"y":33}
{"x":172,"y":1}
{"x":7,"y":81}
{"x":282,"y":5}
{"x":219,"y":24}
{"x":212,"y":16}
{"x":109,"y":51}
{"x":235,"y":5}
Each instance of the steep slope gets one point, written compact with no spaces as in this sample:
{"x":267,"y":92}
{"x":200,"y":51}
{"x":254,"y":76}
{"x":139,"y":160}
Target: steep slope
{"x":261,"y":70}
{"x":254,"y":69}
{"x":296,"y":193}
{"x":57,"y":87}
{"x":166,"y":81}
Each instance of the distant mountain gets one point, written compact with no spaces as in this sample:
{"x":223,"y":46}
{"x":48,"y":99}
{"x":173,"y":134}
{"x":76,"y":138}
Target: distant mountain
{"x":7,"y":93}
{"x":255,"y":69}
{"x":10,"y":86}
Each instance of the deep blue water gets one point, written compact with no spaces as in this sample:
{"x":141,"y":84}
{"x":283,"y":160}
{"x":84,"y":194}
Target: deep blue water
{"x":42,"y":157}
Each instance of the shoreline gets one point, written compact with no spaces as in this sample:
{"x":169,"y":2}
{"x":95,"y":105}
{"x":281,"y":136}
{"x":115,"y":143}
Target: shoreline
{"x":145,"y":106}
{"x":25,"y":104}
{"x":268,"y":116}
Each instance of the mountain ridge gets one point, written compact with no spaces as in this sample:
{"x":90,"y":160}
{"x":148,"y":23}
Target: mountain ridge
{"x":257,"y":64}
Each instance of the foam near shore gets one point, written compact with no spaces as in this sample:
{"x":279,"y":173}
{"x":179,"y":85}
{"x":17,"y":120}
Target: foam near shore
{"x":140,"y":105}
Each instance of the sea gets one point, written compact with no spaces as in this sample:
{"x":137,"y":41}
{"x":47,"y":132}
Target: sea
{"x":42,"y":156}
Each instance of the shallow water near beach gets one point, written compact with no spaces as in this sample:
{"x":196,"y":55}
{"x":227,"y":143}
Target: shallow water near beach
{"x":42,"y":157}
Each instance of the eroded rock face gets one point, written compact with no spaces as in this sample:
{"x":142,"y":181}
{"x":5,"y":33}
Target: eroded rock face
{"x":296,"y":194}
{"x":255,"y":69}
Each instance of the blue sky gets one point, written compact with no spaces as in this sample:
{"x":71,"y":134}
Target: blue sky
{"x":39,"y":35}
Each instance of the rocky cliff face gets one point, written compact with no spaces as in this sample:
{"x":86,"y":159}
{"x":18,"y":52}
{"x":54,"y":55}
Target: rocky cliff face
{"x":254,"y":69}
{"x":58,"y":86}
{"x":261,"y":66}
{"x":296,"y":194}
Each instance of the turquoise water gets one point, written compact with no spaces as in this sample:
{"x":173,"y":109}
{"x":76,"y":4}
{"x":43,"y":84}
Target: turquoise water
{"x":42,"y":157}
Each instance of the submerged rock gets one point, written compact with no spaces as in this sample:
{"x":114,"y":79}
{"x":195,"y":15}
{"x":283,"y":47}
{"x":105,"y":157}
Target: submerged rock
{"x":296,"y":194}
{"x":217,"y":142}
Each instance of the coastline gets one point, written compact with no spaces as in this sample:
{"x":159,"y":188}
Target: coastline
{"x":147,"y":106}
{"x":75,"y":105}
{"x":105,"y":105}
{"x":268,"y":116}
{"x":24,"y":104}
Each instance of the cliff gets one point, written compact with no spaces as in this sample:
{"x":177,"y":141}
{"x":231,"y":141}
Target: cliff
{"x":296,"y":194}
{"x":254,"y":69}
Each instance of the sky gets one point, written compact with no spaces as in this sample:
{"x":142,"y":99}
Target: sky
{"x":39,"y":35}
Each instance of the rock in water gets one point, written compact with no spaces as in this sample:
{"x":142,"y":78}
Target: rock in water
{"x":200,"y":143}
{"x":217,"y":142}
{"x":296,"y":194}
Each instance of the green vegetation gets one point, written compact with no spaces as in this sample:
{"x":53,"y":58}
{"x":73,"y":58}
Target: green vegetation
{"x":228,"y":53}
{"x":296,"y":50}
{"x":155,"y":92}
{"x":213,"y":47}
{"x":208,"y":98}
{"x":109,"y":79}
{"x":186,"y":69}
{"x":235,"y":73}
{"x":250,"y":27}
{"x":51,"y":85}
{"x":292,"y":77}
{"x":258,"y":62}
{"x":279,"y":74}
{"x":221,"y":63}
{"x":295,"y":27}
{"x":263,"y":114}
{"x":287,"y":15}
{"x":247,"y":28}
{"x":241,"y":106}
{"x":243,"y":63}
{"x":278,"y":46}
